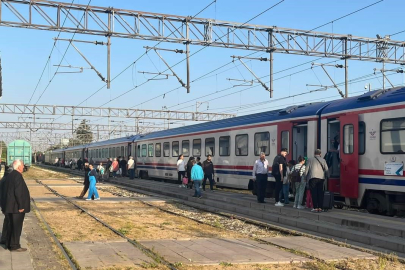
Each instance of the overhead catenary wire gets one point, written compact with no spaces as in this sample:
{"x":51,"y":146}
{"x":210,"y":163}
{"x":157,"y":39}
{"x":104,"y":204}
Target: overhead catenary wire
{"x":49,"y":57}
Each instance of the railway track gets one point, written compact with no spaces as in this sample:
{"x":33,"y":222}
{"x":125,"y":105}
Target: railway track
{"x":242,"y":218}
{"x":153,"y":255}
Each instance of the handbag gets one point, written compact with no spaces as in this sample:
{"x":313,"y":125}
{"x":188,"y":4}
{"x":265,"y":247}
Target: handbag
{"x":185,"y":180}
{"x":119,"y":172}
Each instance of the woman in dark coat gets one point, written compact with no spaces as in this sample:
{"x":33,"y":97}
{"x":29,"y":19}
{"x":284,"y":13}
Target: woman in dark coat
{"x":188,"y":170}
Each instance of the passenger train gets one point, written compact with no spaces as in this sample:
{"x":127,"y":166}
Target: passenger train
{"x":366,"y":169}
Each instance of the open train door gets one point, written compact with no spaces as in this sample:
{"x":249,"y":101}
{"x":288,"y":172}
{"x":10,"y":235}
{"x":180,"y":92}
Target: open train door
{"x":285,"y":131}
{"x":349,"y":155}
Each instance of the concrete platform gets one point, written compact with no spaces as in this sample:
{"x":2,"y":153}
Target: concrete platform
{"x":15,"y":260}
{"x":384,"y":234}
{"x":102,"y":255}
{"x":103,"y":200}
{"x":214,"y":251}
{"x":318,"y":249}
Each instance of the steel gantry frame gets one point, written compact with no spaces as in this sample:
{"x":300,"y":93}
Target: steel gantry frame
{"x":34,"y":126}
{"x":123,"y":23}
{"x":110,"y":112}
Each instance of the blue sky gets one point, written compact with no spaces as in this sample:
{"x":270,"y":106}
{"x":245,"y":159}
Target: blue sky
{"x":24,"y":54}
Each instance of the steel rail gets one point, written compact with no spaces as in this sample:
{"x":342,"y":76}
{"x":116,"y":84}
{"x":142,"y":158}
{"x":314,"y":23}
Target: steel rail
{"x":153,"y":255}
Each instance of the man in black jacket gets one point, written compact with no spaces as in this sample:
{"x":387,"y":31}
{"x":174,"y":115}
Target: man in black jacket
{"x":6,"y":221}
{"x":208,"y":168}
{"x":15,"y":202}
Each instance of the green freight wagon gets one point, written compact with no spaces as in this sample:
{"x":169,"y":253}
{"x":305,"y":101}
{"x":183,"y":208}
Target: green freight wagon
{"x":19,"y":149}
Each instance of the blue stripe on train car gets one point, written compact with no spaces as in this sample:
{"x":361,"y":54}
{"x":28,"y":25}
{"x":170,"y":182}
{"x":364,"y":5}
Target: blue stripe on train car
{"x":379,"y":181}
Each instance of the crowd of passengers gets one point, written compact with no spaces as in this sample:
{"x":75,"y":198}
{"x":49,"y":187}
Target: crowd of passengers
{"x":302,"y":179}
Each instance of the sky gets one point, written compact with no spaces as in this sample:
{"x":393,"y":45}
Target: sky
{"x":25,"y":52}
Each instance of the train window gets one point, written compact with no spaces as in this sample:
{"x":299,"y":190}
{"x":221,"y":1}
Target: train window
{"x":166,"y":149}
{"x":362,"y":138}
{"x":143,"y":150}
{"x":98,"y":153}
{"x":224,"y":146}
{"x":241,"y":145}
{"x":392,"y":136}
{"x":285,"y":140}
{"x":126,"y":151}
{"x":348,"y":139}
{"x":209,"y":146}
{"x":175,"y":149}
{"x":122,"y":151}
{"x":150,"y":150}
{"x":158,"y":150}
{"x":262,"y":143}
{"x":138,"y":154}
{"x":185,"y":148}
{"x":110,"y":153}
{"x":197,"y":147}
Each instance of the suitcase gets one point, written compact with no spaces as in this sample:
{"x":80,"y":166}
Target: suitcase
{"x":328,"y":200}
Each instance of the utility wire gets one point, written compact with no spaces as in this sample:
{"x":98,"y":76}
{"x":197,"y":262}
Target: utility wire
{"x":49,"y":57}
{"x":50,"y":81}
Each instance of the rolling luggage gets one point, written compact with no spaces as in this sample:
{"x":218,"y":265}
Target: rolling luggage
{"x":328,"y":200}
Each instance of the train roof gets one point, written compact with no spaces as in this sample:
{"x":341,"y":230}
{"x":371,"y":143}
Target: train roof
{"x":127,"y":139}
{"x":369,"y":99}
{"x":297,"y":111}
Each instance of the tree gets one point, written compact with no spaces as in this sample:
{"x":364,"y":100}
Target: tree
{"x":83,"y":133}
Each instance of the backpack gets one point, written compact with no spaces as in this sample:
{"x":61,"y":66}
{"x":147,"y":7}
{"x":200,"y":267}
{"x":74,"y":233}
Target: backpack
{"x":295,"y":176}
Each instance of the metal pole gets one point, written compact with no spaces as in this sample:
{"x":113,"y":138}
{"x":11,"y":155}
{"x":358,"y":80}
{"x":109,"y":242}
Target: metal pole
{"x":188,"y":58}
{"x":383,"y":70}
{"x":108,"y":62}
{"x":346,"y":72}
{"x":271,"y":61}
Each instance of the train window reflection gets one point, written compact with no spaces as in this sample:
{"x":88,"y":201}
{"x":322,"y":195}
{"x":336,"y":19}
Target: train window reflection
{"x":209,"y":146}
{"x":197,"y":147}
{"x":241,"y":145}
{"x":143,"y":150}
{"x":262,"y":143}
{"x":175,"y":149}
{"x":158,"y":150}
{"x":348,"y":139}
{"x":166,"y":149}
{"x":393,"y":136}
{"x":185,"y":148}
{"x":285,"y":140}
{"x":150,"y":150}
{"x":224,"y":146}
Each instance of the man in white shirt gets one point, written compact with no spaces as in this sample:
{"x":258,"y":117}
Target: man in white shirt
{"x":260,"y":171}
{"x":131,"y":167}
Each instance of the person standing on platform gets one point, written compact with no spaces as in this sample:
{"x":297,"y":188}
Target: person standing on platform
{"x":123,"y":166}
{"x":116,"y":167}
{"x":131,"y":167}
{"x":315,"y":171}
{"x":208,"y":168}
{"x":181,"y":170}
{"x":189,"y":166}
{"x":6,"y":220}
{"x":80,"y":164}
{"x":15,"y":202}
{"x":108,"y":171}
{"x":279,"y":171}
{"x":300,"y":183}
{"x":197,"y":175}
{"x":260,"y":174}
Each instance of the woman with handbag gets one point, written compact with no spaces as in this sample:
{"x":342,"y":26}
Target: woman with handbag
{"x":316,"y":172}
{"x":181,"y":170}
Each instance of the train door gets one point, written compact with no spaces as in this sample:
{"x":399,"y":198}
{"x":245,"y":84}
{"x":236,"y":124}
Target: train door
{"x":284,"y":131}
{"x":349,"y":156}
{"x":299,"y":140}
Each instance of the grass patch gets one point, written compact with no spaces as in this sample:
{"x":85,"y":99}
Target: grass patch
{"x":225,"y":264}
{"x":149,"y":265}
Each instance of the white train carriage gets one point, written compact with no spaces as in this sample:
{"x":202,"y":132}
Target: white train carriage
{"x":100,"y":151}
{"x":371,"y":129}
